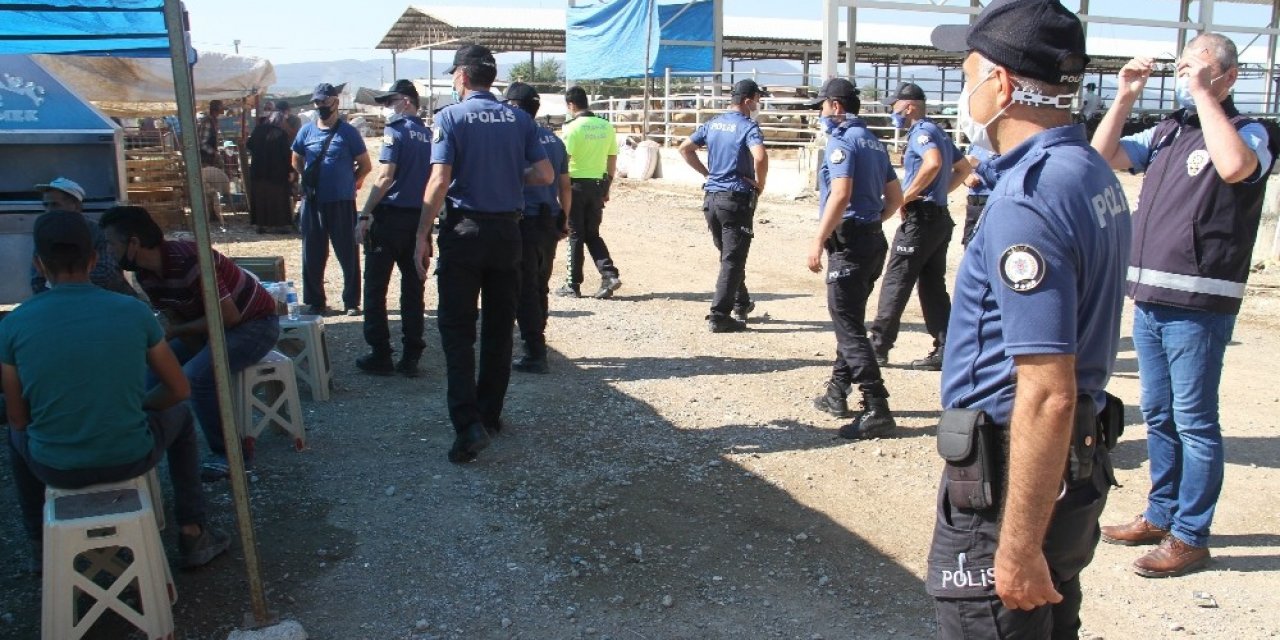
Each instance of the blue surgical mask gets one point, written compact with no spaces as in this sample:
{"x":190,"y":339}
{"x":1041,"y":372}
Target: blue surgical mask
{"x":899,"y":120}
{"x":1182,"y":92}
{"x":457,"y":97}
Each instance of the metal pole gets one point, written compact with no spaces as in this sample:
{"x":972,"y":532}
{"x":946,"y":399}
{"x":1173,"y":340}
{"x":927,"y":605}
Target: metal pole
{"x":395,"y":71}
{"x":666,"y":103}
{"x":1271,"y":56}
{"x":1184,"y":15}
{"x":830,"y":39}
{"x":648,"y":47}
{"x":184,"y":92}
{"x":851,"y":47}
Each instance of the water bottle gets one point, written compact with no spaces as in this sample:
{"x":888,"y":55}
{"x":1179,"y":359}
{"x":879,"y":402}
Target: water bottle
{"x":291,"y":300}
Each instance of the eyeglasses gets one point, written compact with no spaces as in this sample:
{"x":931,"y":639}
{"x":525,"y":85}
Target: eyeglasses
{"x":1164,"y":67}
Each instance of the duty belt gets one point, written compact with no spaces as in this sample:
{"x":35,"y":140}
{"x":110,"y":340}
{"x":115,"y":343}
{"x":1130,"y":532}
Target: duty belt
{"x":732,"y":195}
{"x":490,"y":215}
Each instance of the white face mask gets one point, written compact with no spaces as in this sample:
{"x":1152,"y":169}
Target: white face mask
{"x":975,"y":132}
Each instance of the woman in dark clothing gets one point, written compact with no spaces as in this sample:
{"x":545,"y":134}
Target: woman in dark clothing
{"x":270,"y":175}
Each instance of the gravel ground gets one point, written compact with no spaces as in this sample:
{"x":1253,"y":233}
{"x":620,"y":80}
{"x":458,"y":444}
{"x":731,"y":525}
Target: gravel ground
{"x":667,"y":483}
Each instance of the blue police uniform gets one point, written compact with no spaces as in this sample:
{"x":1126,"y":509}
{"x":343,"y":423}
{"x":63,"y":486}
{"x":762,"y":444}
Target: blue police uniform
{"x":540,"y":227}
{"x":920,"y":245}
{"x":729,"y":205}
{"x":1043,"y":274}
{"x":977,"y":198}
{"x":856,"y":250}
{"x":329,"y":209}
{"x":489,"y":145}
{"x":406,"y":143}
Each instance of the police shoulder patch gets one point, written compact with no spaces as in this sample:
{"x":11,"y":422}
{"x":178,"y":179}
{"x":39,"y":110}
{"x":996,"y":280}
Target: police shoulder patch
{"x":922,"y":139}
{"x":1022,"y":267}
{"x":837,"y":156}
{"x":388,"y":139}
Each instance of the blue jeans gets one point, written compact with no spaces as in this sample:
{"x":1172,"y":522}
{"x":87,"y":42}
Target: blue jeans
{"x":247,"y":342}
{"x":1180,"y":353}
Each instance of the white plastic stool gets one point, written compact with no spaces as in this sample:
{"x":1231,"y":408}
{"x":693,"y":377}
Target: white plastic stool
{"x":90,"y":527}
{"x":303,"y":340}
{"x":282,"y":408}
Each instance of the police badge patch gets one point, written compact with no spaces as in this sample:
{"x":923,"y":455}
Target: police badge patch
{"x":387,"y":139}
{"x":922,"y":139}
{"x":1196,"y":162}
{"x":1022,"y":267}
{"x":837,"y":156}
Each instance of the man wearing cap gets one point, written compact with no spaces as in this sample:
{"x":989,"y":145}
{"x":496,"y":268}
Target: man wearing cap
{"x":735,"y":173}
{"x":64,"y":194}
{"x":934,"y":168}
{"x":331,"y":158}
{"x":213,"y":170}
{"x":484,"y":153}
{"x":73,"y":362}
{"x":543,"y":223}
{"x":1201,"y":204}
{"x":593,"y":158}
{"x":387,"y":225}
{"x":857,"y":189}
{"x":1032,"y":339}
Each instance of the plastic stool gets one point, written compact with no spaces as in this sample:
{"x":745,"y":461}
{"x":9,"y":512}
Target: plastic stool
{"x":282,"y":408}
{"x":303,"y":340}
{"x":90,"y":527}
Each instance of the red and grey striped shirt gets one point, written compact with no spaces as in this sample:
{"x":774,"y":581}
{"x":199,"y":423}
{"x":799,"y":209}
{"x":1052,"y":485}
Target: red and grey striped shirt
{"x":177,"y":287}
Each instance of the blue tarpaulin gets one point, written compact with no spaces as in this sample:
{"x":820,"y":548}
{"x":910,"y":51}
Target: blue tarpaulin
{"x":607,"y":39}
{"x":128,"y":28}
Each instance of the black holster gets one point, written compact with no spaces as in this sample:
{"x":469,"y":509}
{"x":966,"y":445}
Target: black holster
{"x":967,"y":441}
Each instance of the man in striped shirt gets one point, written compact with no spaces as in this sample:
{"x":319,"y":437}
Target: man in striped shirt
{"x":169,"y":273}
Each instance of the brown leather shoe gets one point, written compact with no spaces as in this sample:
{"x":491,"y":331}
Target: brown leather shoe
{"x":1172,"y":558}
{"x":1135,"y":533}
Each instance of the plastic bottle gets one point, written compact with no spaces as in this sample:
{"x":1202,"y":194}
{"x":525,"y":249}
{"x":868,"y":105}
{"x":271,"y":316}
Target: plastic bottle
{"x":291,"y":300}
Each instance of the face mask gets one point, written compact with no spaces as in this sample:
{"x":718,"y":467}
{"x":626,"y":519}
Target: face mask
{"x":899,"y":120}
{"x":324,"y":112}
{"x":1182,"y":90}
{"x":457,"y":97}
{"x":125,"y":262}
{"x":975,"y":132}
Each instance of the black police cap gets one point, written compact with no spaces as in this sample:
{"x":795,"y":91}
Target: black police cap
{"x":837,"y":88}
{"x":400,"y":88}
{"x":521,"y":92}
{"x":1039,"y":39}
{"x":473,"y":55}
{"x":749,"y":89}
{"x":906,"y":91}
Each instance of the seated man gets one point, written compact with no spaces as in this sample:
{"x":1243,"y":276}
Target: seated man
{"x":169,"y":273}
{"x":73,"y":361}
{"x":62,"y":194}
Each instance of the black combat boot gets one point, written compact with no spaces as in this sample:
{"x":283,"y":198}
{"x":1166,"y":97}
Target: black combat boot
{"x":835,"y":401}
{"x":875,"y":420}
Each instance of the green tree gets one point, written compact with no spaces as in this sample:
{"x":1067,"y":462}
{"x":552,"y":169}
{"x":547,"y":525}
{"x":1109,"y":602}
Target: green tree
{"x":549,"y":71}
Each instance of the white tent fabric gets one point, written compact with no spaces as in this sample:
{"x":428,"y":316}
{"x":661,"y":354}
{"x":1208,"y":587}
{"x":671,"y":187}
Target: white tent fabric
{"x":125,"y":86}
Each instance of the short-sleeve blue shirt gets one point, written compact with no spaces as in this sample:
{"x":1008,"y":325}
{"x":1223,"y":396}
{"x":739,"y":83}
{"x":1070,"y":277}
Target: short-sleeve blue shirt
{"x":924,"y":135}
{"x":854,"y":152}
{"x":338,"y":171}
{"x":489,"y":145}
{"x":535,"y":197}
{"x":406,"y":143}
{"x":984,"y":157}
{"x":729,"y":138}
{"x":1043,"y":274}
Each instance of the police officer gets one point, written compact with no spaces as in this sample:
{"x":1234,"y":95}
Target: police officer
{"x":593,"y":158}
{"x":386,"y":225}
{"x":483,"y":153}
{"x":1201,"y":203}
{"x":934,"y":167}
{"x":979,"y":183}
{"x":543,"y":223}
{"x":1038,"y":300}
{"x":736,"y":169}
{"x":857,"y":190}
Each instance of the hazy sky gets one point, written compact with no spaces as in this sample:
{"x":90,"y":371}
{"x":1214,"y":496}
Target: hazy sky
{"x":321,"y":30}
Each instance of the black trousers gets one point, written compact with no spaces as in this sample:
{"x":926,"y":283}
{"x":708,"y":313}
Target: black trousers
{"x":479,"y":262}
{"x":918,"y":254}
{"x":961,"y":575}
{"x":539,"y":235}
{"x":855,"y":258}
{"x":585,"y":215}
{"x":390,"y":245}
{"x":972,"y":211}
{"x":729,"y":217}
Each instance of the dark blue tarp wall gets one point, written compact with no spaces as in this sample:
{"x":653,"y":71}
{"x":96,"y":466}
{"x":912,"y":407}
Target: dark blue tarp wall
{"x":607,"y":39}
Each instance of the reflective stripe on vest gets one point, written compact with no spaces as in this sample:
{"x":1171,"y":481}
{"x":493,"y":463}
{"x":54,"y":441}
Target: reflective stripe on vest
{"x":1190,"y":284}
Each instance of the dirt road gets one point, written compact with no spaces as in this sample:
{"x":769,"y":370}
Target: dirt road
{"x":667,"y":483}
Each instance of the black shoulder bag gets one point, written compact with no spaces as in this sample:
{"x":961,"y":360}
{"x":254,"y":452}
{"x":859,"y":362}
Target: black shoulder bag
{"x":311,"y":173}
